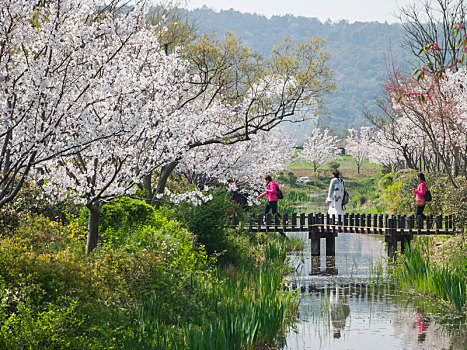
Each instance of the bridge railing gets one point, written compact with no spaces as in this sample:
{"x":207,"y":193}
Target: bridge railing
{"x":352,"y":223}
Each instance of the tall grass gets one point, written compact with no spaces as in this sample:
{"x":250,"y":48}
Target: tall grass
{"x":416,"y":273}
{"x":238,"y":312}
{"x":291,"y":199}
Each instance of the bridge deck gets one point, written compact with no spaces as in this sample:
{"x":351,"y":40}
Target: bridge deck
{"x":324,"y":225}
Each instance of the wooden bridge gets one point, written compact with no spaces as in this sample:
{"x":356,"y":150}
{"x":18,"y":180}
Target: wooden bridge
{"x":395,"y":228}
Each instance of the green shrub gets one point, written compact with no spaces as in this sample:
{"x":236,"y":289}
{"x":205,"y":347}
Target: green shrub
{"x":454,"y":201}
{"x":208,"y":221}
{"x":32,"y":200}
{"x":122,"y":214}
{"x":386,"y":181}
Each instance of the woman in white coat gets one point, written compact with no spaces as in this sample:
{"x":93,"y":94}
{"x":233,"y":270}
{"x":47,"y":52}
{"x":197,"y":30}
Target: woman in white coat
{"x":336,"y":195}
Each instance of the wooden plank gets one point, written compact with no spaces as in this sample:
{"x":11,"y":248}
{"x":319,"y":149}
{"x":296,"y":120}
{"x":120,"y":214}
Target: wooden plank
{"x":285,"y":222}
{"x":380,"y":223}
{"x":268,"y":222}
{"x":439,"y":223}
{"x":352,"y":223}
{"x":302,"y":222}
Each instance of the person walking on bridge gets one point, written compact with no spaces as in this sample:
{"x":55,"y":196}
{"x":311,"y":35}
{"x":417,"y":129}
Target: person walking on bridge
{"x":336,"y":195}
{"x":420,"y":192}
{"x":271,"y":192}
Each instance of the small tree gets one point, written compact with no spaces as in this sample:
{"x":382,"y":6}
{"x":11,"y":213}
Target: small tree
{"x":359,"y":144}
{"x":320,"y":148}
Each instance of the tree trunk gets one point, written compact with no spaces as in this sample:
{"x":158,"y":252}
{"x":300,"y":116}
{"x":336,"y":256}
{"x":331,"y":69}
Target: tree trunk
{"x":147,"y":179}
{"x":165,"y":173}
{"x":456,"y":161}
{"x":93,"y":226}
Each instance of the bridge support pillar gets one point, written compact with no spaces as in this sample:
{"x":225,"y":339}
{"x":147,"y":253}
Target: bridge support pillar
{"x":315,"y":245}
{"x":331,"y":245}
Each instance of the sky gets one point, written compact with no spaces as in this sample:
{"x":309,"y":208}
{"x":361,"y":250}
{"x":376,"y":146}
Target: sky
{"x":335,"y":10}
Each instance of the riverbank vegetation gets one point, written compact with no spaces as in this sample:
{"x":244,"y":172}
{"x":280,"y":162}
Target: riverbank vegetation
{"x":152,"y":283}
{"x":420,"y":271}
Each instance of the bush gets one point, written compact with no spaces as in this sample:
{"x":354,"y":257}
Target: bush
{"x":386,"y":181}
{"x":32,"y":200}
{"x":208,"y":221}
{"x":122,"y":214}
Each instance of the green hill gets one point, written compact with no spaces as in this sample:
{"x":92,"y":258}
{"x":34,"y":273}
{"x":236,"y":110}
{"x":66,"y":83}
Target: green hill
{"x":359,"y":54}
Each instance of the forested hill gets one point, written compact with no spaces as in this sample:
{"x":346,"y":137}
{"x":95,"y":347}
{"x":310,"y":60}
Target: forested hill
{"x":359,"y":51}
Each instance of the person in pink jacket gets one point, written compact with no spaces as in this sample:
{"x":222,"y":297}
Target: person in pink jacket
{"x":420,"y":191}
{"x":271,"y":190}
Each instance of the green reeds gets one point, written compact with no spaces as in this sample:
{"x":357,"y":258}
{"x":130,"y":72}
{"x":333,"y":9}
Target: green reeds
{"x":236,"y":312}
{"x":417,"y":273}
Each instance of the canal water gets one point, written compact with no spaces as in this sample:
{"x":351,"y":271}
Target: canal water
{"x":342,"y":307}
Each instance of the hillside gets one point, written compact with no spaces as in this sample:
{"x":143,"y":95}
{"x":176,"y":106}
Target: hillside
{"x":359,"y":51}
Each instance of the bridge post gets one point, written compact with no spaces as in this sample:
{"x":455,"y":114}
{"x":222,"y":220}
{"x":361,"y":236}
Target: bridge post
{"x":302,"y":221}
{"x":390,"y":237}
{"x":314,"y":237}
{"x":429,"y":224}
{"x":419,"y":224}
{"x":285,"y":222}
{"x":268,"y":221}
{"x":331,"y":244}
{"x":439,"y":223}
{"x":380,"y":223}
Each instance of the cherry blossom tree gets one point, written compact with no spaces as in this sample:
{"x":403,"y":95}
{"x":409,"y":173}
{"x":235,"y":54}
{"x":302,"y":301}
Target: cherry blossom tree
{"x":263,"y":93}
{"x":320,"y":148}
{"x":90,"y":98}
{"x":242,"y":164}
{"x":396,"y":133}
{"x":358,"y":145}
{"x":432,"y":111}
{"x":385,"y":151}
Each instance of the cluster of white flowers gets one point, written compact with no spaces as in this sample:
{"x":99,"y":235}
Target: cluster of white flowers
{"x":241,"y":164}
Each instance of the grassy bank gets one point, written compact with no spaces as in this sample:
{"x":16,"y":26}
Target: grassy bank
{"x":150,"y":283}
{"x":424,"y":271}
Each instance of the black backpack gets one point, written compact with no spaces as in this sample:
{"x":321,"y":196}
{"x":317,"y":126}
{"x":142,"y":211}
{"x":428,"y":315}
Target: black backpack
{"x":279,"y":193}
{"x":346,"y":198}
{"x":428,"y":197}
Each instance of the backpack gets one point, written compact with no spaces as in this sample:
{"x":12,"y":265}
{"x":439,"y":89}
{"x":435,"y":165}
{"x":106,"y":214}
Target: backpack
{"x":279,"y":193}
{"x":346,"y":198}
{"x":428,"y":197}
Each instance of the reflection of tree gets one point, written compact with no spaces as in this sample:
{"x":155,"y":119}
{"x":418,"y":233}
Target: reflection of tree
{"x":339,"y":310}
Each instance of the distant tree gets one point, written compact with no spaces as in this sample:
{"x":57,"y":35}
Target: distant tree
{"x":438,"y":116}
{"x":320,"y":148}
{"x":358,"y":145}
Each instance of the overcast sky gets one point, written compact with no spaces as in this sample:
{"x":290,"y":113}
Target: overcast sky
{"x":335,"y":10}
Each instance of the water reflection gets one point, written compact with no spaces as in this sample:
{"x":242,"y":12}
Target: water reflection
{"x":341,"y":309}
